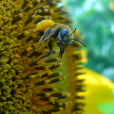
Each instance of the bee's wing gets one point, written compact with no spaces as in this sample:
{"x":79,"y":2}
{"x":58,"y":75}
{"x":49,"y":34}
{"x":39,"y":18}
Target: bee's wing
{"x":45,"y":36}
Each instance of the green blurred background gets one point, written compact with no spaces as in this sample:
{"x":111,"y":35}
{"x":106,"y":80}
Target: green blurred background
{"x":95,"y":20}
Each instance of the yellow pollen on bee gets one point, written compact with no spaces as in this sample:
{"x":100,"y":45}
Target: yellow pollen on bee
{"x":45,"y":24}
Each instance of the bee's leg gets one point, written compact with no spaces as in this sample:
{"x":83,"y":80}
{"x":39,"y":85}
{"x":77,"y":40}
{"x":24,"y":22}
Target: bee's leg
{"x":61,"y":53}
{"x":49,"y":53}
{"x":50,"y":48}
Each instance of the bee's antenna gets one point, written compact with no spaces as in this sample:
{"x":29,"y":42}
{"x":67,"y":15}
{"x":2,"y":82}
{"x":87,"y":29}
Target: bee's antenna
{"x":80,"y":42}
{"x":73,"y":32}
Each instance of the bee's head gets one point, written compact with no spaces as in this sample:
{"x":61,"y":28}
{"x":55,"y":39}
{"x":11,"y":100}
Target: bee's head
{"x":68,"y":38}
{"x":65,"y":40}
{"x":62,"y":38}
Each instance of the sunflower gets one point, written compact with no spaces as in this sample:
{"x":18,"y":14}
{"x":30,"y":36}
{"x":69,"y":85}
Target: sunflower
{"x":28,"y":84}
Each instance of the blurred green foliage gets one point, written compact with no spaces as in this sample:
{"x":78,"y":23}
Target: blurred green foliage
{"x":95,"y":19}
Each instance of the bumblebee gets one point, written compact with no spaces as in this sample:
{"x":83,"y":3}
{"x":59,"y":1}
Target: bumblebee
{"x":56,"y":31}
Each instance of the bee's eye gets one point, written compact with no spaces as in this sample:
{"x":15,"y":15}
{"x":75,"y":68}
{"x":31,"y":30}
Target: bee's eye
{"x":64,"y":32}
